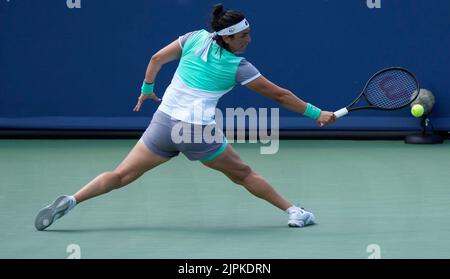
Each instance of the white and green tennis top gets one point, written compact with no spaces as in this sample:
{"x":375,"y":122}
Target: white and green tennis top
{"x":196,"y":86}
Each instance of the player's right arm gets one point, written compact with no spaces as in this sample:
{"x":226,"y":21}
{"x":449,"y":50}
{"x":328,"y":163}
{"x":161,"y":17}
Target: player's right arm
{"x":285,"y":98}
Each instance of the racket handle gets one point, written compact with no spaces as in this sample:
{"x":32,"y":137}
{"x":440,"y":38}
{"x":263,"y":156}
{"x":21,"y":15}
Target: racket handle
{"x":341,"y":112}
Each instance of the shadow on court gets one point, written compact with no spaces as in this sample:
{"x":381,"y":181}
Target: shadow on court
{"x":182,"y":229}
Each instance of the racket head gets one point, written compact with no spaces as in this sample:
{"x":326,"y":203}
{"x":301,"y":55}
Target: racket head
{"x":391,"y":88}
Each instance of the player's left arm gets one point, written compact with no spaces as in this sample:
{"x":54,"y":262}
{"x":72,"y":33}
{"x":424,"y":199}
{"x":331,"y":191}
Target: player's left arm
{"x":165,"y":55}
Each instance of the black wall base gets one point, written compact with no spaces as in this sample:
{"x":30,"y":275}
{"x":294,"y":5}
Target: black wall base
{"x":424,"y":139}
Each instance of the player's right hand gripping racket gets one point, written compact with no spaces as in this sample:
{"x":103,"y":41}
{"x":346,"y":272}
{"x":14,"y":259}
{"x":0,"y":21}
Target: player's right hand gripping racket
{"x":388,"y":89}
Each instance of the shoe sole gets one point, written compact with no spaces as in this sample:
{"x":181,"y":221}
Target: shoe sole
{"x":299,"y":224}
{"x":46,"y":215}
{"x":296,"y":224}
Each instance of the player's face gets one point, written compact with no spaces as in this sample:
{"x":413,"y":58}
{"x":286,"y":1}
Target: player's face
{"x":238,"y":43}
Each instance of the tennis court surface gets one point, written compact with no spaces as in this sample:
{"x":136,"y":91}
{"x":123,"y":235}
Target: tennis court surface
{"x":371,"y":198}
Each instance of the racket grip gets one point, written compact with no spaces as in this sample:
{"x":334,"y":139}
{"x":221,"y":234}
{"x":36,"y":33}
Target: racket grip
{"x":341,"y":112}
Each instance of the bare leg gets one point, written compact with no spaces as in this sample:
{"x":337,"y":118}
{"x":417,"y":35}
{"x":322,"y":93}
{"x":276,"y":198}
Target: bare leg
{"x":139,"y":160}
{"x":240,"y":173}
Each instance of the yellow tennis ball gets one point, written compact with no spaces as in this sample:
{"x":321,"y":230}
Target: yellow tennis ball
{"x":417,"y":110}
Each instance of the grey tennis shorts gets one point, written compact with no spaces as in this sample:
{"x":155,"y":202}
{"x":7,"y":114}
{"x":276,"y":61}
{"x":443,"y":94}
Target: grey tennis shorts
{"x":167,"y":137}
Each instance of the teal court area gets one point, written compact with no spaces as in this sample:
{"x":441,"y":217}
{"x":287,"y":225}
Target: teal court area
{"x":371,"y":198}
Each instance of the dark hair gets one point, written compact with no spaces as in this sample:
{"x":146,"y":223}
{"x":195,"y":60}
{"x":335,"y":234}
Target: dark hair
{"x":222,"y":19}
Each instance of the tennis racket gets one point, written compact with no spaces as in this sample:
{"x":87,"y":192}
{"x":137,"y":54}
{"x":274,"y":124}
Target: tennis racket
{"x":389,"y":89}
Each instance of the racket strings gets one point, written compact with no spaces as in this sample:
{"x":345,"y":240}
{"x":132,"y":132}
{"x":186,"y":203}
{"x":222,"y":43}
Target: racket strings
{"x":392,"y":89}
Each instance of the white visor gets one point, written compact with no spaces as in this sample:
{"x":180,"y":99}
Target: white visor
{"x":238,"y":27}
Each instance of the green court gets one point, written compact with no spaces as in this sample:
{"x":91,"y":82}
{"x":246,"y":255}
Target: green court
{"x":383,"y":194}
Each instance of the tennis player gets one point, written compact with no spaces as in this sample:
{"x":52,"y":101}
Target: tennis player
{"x":209,"y":67}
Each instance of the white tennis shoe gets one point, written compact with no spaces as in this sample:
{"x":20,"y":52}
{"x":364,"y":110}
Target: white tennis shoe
{"x":300,"y":217}
{"x":52,"y":212}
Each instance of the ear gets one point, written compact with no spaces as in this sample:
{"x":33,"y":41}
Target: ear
{"x":226,"y":39}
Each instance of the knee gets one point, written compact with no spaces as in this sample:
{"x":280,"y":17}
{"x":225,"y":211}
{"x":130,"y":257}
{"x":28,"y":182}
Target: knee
{"x":242,"y":175}
{"x":115,"y":178}
{"x":125,"y":177}
{"x":112,"y":180}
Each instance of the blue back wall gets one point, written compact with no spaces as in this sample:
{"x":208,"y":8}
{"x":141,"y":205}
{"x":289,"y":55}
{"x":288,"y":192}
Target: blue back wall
{"x":82,"y":68}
